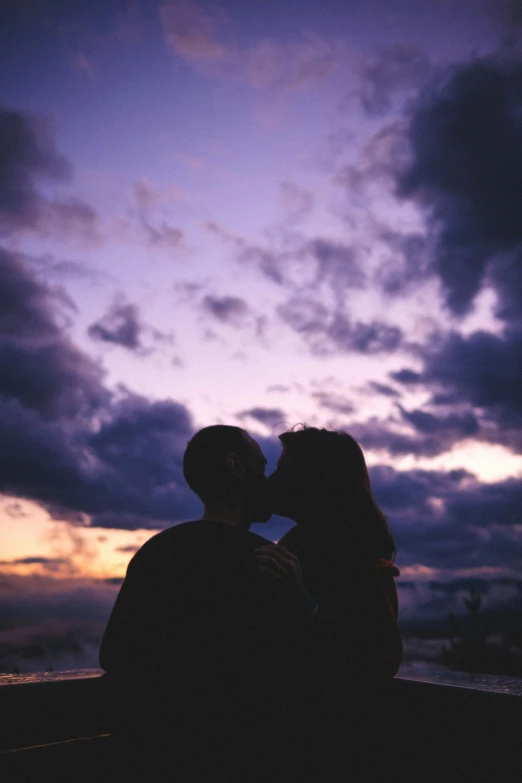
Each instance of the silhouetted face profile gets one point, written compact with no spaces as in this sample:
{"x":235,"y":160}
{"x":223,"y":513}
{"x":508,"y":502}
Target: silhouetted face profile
{"x":321,"y":479}
{"x":320,"y":473}
{"x":226,"y":468}
{"x":258,"y":507}
{"x":289,"y":487}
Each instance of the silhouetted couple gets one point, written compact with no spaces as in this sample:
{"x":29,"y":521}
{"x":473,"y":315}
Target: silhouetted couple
{"x":214,"y":606}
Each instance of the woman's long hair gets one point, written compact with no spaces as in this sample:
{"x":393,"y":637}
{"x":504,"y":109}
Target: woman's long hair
{"x":336,"y":487}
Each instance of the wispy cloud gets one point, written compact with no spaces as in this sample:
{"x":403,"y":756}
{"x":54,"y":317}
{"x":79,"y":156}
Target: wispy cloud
{"x":203,"y":39}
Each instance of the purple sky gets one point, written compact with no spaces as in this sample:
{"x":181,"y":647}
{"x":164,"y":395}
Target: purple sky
{"x":258,"y":213}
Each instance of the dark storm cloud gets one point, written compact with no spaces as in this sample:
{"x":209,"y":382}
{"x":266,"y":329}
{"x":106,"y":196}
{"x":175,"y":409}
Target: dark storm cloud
{"x":270,"y":417}
{"x":140,"y":452}
{"x":450,"y":520}
{"x":27,"y":306}
{"x":408,"y":491}
{"x":227,"y":309}
{"x":431,"y":435}
{"x":406,"y":376}
{"x":41,"y":368}
{"x":481,"y":369}
{"x":54,"y":378}
{"x":463,"y":424}
{"x":65,"y":440}
{"x":494,"y":504}
{"x":126,"y":475}
{"x":466,"y":170}
{"x":27,"y":156}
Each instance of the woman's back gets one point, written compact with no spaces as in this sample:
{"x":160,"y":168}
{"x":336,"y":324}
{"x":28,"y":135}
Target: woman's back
{"x":357,"y":597}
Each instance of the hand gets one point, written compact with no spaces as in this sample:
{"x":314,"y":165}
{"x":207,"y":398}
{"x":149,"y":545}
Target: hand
{"x":280,"y":564}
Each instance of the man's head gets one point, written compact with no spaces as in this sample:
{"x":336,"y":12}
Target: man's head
{"x":225,"y":467}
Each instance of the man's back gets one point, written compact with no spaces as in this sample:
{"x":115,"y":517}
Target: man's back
{"x":192,"y":598}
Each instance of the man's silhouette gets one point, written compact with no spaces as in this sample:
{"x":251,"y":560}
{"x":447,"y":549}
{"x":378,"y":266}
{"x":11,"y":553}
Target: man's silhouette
{"x":195,"y":598}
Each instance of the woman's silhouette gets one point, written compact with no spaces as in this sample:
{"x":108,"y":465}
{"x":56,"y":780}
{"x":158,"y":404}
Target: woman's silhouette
{"x":345,"y":549}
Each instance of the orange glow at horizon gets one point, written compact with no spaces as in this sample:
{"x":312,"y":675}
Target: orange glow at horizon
{"x":66,"y":550}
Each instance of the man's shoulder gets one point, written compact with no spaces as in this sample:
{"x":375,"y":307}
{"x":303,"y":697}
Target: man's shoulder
{"x":197,"y":533}
{"x":164,"y":542}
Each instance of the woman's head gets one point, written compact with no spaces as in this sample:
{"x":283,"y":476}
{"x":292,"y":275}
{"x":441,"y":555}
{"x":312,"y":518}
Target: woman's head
{"x":322,"y":478}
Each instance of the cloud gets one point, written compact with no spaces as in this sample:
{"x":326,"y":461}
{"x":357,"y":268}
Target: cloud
{"x":319,"y":275}
{"x":69,"y":218}
{"x":464,"y":425}
{"x":199,"y":37}
{"x":328,"y":332}
{"x":466,"y":171}
{"x":51,"y":564}
{"x":191,"y":32}
{"x":164,"y":236}
{"x":383,"y":389}
{"x":68,"y":442}
{"x":297,"y":202}
{"x":291,"y":66}
{"x":28,"y":157}
{"x":480,"y":369}
{"x":55,"y":379}
{"x":148,"y":197}
{"x":333,"y":402}
{"x":41,"y":368}
{"x":127,"y":474}
{"x":390,"y":436}
{"x":270,"y":417}
{"x":139,"y":476}
{"x":450,"y":520}
{"x":406,"y":262}
{"x":399,"y":67}
{"x":406,"y":376}
{"x":227,"y":309}
{"x":382,"y":158}
{"x":121,"y":326}
{"x":75,"y":613}
{"x":27,"y":306}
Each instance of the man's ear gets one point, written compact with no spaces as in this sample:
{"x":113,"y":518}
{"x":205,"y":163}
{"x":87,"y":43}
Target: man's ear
{"x":235,"y":465}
